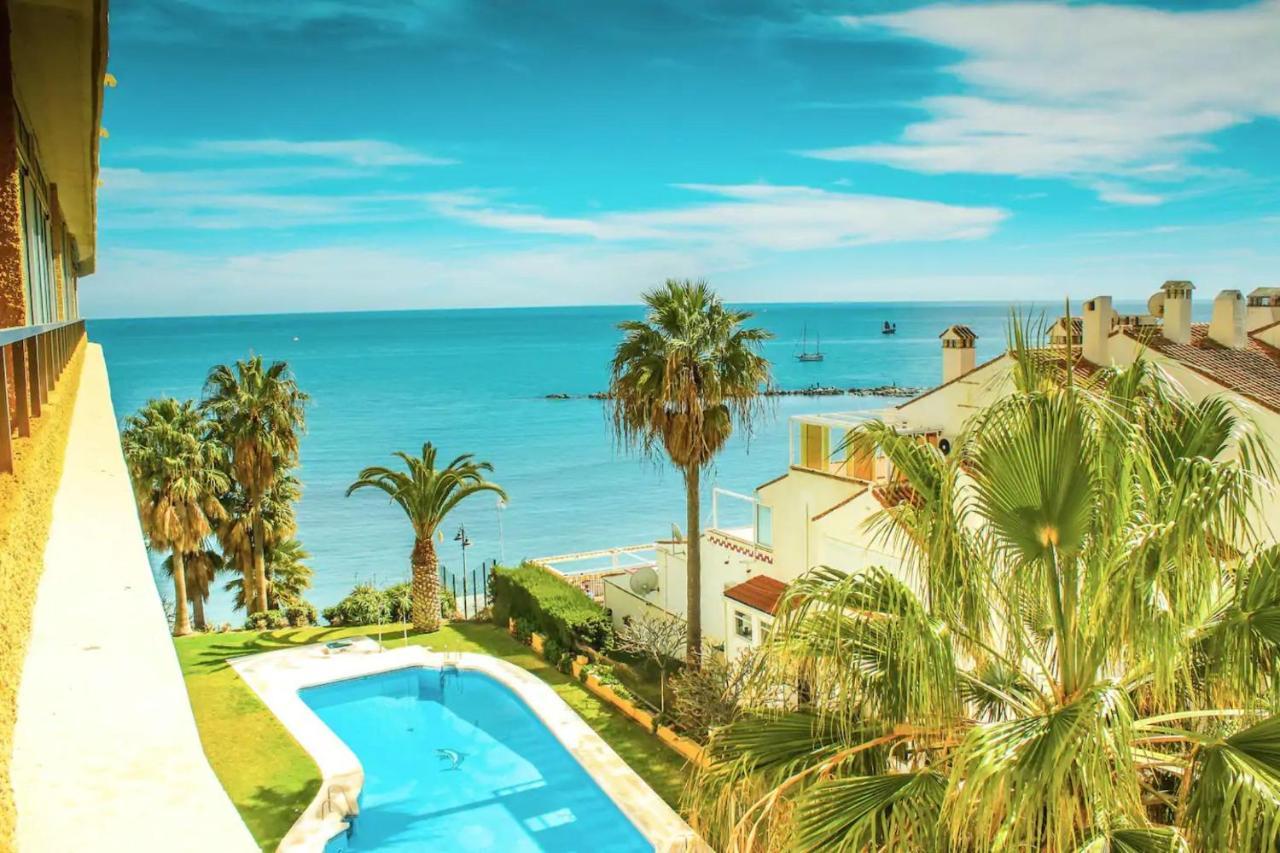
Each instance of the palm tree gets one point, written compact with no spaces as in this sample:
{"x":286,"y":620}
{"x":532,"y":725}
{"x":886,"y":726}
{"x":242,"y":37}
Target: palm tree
{"x":1079,"y":653}
{"x":681,"y":379}
{"x":258,"y":411}
{"x":288,"y":576}
{"x":427,"y":495}
{"x":276,"y":521}
{"x":202,"y":566}
{"x":175,"y":465}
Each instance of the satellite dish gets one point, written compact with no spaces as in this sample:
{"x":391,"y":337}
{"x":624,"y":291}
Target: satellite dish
{"x":1155,"y":305}
{"x":644,"y":580}
{"x":944,"y":445}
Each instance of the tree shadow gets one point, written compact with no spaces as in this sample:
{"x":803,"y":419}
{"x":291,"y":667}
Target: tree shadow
{"x":270,"y":812}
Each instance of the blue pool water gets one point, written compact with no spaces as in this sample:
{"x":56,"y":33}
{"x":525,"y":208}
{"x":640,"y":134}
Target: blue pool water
{"x":456,"y":761}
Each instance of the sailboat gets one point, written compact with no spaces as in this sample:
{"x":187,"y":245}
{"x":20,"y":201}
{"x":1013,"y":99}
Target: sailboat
{"x":889,"y":328}
{"x":804,"y":354}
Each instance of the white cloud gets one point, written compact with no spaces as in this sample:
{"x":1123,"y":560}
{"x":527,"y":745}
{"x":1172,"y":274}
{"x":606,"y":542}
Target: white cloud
{"x":759,"y":216}
{"x":146,"y":282}
{"x":374,"y":153}
{"x":1090,"y":92}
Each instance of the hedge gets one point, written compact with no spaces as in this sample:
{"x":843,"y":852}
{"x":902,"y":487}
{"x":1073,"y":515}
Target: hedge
{"x":556,"y":609}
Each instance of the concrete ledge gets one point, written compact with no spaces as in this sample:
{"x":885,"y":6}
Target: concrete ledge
{"x":278,"y":676}
{"x":106,"y":753}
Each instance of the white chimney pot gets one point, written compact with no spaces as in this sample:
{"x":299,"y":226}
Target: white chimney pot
{"x":1227,"y":324}
{"x":1098,"y":316}
{"x":1177,"y":311}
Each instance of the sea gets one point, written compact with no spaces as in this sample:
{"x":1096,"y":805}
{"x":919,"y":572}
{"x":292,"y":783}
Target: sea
{"x":477,"y":381}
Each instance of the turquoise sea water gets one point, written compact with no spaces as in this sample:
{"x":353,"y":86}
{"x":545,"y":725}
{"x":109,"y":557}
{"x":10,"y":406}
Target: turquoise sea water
{"x":475,"y":381}
{"x":455,"y":761}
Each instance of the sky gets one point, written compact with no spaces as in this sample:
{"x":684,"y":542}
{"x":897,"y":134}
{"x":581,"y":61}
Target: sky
{"x":321,"y":155}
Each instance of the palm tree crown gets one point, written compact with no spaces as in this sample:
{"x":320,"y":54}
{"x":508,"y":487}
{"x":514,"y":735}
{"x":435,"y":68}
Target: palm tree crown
{"x":1077,"y":653}
{"x":176,"y":468}
{"x":427,"y":495}
{"x":259,"y":414}
{"x":681,"y":379}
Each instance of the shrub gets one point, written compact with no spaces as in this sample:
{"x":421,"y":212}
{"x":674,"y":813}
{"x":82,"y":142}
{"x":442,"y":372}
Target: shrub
{"x":553,"y":652}
{"x":525,"y":629}
{"x":364,"y":605}
{"x":704,"y":698}
{"x":368,"y":605}
{"x":603,"y":673}
{"x":448,"y":603}
{"x":301,"y":614}
{"x":558,"y":610}
{"x":262,"y":620}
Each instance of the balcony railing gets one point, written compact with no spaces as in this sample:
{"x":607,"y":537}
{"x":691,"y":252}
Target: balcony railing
{"x":32,"y":361}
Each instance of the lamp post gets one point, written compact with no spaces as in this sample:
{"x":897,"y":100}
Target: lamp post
{"x":461,"y":538}
{"x":502,"y":542}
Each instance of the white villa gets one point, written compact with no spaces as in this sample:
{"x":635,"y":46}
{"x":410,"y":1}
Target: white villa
{"x":816,"y":512}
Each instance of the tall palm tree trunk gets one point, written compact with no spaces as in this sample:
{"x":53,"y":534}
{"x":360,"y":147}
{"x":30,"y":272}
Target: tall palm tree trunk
{"x":197,"y":612}
{"x":426,"y":585}
{"x":693,"y":569}
{"x":181,"y":621}
{"x":259,"y":567}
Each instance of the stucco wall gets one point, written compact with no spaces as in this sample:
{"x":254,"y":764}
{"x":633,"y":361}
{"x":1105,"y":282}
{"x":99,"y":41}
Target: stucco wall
{"x":26,"y":503}
{"x":795,"y":500}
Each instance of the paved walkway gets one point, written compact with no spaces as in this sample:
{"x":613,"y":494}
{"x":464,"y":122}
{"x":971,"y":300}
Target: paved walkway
{"x":106,"y":753}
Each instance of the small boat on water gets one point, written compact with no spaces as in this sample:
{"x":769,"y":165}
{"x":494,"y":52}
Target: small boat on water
{"x":889,"y":328}
{"x":805,"y":354}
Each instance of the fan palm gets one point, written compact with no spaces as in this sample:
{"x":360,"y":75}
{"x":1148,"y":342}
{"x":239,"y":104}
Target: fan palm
{"x":259,"y":413}
{"x":680,"y":380}
{"x":202,"y":566}
{"x":288,"y":576}
{"x":175,"y":465}
{"x":277,"y":524}
{"x":1079,"y":652}
{"x":427,"y":495}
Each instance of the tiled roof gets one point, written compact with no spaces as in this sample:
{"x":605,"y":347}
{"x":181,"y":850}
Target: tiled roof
{"x":1252,"y":372}
{"x":1077,"y":325}
{"x":961,"y":331}
{"x":893,"y":494}
{"x":761,"y":592}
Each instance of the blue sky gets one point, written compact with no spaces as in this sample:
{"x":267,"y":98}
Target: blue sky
{"x":372,"y":154}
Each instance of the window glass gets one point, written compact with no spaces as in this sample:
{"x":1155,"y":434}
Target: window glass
{"x":764,"y":525}
{"x":742,"y":624}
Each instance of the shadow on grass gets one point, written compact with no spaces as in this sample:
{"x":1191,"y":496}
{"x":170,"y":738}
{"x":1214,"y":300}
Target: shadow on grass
{"x":270,"y":812}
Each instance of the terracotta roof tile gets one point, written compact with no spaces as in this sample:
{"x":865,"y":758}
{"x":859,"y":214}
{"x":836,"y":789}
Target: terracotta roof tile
{"x":1252,"y":372}
{"x":893,"y":494}
{"x":761,"y":592}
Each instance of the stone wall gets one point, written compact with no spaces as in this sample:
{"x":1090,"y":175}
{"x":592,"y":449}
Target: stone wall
{"x":26,"y":505}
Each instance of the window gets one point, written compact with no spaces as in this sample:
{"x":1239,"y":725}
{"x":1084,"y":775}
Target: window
{"x":765,"y":627}
{"x":38,"y":239}
{"x":742,"y":624}
{"x":764,"y":525}
{"x":37,"y":255}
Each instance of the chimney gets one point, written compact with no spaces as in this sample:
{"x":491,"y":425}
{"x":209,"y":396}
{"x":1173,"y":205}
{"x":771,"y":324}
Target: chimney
{"x":1227,"y":325}
{"x":1177,"y":311}
{"x":958,"y":353}
{"x":1263,"y":308}
{"x":1095,"y":346}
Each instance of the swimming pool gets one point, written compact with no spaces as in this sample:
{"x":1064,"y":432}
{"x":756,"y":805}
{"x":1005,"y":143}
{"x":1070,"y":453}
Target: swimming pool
{"x":453,"y":759}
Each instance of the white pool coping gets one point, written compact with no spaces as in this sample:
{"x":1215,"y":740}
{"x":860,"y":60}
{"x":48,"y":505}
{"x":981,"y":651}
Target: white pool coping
{"x":278,"y":676}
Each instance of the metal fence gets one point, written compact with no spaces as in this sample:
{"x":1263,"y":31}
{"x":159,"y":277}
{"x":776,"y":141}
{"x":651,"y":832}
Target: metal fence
{"x":470,"y":588}
{"x":32,"y":361}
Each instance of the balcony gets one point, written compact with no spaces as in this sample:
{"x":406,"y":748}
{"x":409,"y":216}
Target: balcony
{"x":817,"y":444}
{"x":105,"y":748}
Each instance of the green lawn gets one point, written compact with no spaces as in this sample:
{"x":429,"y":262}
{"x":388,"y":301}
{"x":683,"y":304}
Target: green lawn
{"x":271,"y":779}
